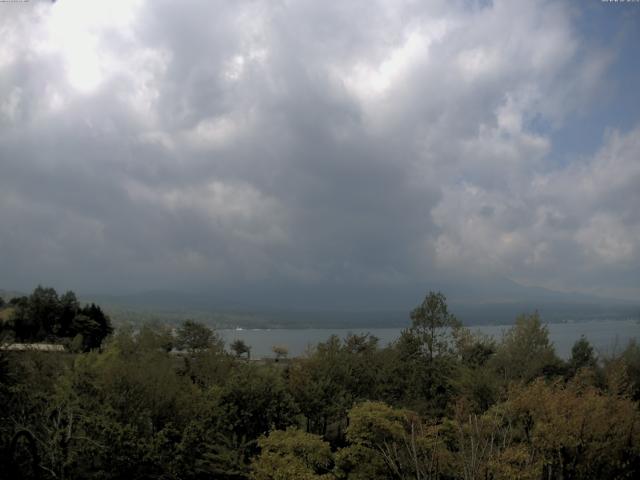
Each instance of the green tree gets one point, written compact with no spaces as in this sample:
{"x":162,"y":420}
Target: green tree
{"x":195,"y":337}
{"x":582,"y":356}
{"x":87,"y":332}
{"x":203,"y":452}
{"x":95,"y":313}
{"x":362,"y":363}
{"x":476,"y":383}
{"x":69,"y":308}
{"x":44,"y":312}
{"x":434,"y":326}
{"x":209,"y":368}
{"x":36,"y":317}
{"x":385,"y":442}
{"x":331,"y":379}
{"x":622,"y":371}
{"x":427,"y":351}
{"x":474,"y":349}
{"x":526,"y":351}
{"x":292,"y":455}
{"x":155,"y":336}
{"x":240,"y":348}
{"x":255,"y":400}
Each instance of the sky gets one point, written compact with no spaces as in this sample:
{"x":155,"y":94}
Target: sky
{"x":353,"y":152}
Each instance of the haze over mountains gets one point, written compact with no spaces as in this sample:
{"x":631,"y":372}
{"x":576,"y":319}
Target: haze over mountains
{"x":474,"y":301}
{"x":473,"y":306}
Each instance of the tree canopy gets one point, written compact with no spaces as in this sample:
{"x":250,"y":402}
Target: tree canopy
{"x":45,"y":316}
{"x":193,"y":336}
{"x":439,"y":403}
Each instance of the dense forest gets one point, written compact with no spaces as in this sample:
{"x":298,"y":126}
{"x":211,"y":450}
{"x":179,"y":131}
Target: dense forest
{"x":439,"y":403}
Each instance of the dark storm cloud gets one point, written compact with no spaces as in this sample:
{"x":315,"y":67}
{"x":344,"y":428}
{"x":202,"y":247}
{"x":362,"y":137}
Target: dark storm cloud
{"x":324,"y":150}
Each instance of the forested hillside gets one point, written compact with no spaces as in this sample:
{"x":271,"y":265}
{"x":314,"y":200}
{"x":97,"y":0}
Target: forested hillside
{"x":440,"y":403}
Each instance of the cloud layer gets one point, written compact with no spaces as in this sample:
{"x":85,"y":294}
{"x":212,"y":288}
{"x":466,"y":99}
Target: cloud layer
{"x":323,"y":149}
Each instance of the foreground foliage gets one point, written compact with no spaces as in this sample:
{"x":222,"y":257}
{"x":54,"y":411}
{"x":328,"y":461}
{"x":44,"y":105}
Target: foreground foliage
{"x":440,"y":403}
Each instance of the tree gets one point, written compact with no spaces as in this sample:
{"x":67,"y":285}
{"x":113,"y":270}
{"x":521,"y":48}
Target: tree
{"x":240,"y":348}
{"x":69,"y":308}
{"x":44,"y":312}
{"x":95,"y":313}
{"x":476,"y":382}
{"x":525,"y":351}
{"x":36,"y":317}
{"x":45,"y":316}
{"x":428,"y":348}
{"x":292,"y":455}
{"x":326,"y":383}
{"x":575,"y":434}
{"x":582,"y":356}
{"x":194,"y":337}
{"x":434,"y":325}
{"x":17,"y":317}
{"x":623,"y":371}
{"x":390,"y":443}
{"x":255,"y":400}
{"x":155,"y":336}
{"x":474,"y":349}
{"x":87,"y":332}
{"x":92,"y":324}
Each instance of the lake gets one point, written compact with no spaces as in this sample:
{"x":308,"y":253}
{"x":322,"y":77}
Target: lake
{"x":605,"y":336}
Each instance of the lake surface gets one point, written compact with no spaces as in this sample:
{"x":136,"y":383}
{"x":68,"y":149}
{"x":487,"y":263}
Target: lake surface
{"x":606,"y":336}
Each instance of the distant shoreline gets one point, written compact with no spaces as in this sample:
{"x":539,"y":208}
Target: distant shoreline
{"x":605,"y":335}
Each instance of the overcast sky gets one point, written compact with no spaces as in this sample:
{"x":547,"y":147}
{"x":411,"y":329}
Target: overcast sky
{"x":365,"y":149}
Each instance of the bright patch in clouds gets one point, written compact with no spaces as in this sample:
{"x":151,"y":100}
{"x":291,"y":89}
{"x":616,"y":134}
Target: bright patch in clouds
{"x":368,"y":81}
{"x":75,"y":29}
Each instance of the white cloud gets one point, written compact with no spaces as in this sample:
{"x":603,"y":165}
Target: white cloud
{"x":359,"y":140}
{"x":76,"y":29}
{"x":608,"y":239}
{"x":563,"y":224}
{"x":212,"y":133}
